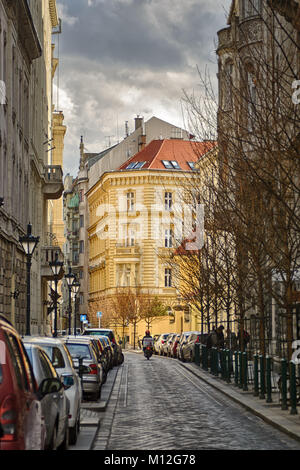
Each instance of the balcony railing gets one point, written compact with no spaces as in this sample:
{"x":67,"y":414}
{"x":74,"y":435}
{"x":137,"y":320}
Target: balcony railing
{"x":128,"y":250}
{"x":54,"y":186}
{"x":48,"y":254}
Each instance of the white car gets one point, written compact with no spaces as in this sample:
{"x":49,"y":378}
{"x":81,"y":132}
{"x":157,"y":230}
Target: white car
{"x":158,"y":345}
{"x":63,"y":363}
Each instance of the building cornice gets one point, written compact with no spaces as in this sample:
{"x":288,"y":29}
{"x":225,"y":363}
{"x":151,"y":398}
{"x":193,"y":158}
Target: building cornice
{"x":53,"y":13}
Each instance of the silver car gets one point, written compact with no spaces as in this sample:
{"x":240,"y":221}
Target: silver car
{"x":86,"y":363}
{"x":55,"y":406}
{"x":63,"y":363}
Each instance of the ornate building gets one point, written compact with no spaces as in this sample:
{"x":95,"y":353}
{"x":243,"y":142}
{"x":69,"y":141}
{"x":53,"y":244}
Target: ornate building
{"x":28,"y":179}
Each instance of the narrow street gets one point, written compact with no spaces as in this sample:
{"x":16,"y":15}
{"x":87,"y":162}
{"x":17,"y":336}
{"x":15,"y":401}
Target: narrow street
{"x":159,"y":405}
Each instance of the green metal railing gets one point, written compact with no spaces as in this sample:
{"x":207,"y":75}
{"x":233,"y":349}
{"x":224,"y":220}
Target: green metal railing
{"x":233,"y":367}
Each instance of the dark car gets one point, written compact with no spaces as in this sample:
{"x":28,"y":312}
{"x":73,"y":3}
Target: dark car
{"x":188,"y":346}
{"x":118,"y":355}
{"x":21,"y":421}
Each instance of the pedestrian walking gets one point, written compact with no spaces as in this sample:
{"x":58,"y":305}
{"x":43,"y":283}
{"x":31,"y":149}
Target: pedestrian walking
{"x":220,"y":337}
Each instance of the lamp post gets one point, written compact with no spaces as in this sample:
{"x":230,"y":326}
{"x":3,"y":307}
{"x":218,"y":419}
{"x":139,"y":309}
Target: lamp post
{"x":70,"y":277}
{"x":56,"y":267}
{"x":75,"y":289}
{"x":29,"y":243}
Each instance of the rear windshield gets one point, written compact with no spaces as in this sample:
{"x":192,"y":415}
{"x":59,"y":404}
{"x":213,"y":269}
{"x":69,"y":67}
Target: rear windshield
{"x":79,"y":350}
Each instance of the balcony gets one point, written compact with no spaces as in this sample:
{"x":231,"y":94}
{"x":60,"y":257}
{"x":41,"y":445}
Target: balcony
{"x":54,"y":186}
{"x":122,"y":250}
{"x":47,"y":255}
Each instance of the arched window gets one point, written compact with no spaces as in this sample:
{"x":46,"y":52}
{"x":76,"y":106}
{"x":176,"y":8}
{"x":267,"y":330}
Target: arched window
{"x":251,"y":96}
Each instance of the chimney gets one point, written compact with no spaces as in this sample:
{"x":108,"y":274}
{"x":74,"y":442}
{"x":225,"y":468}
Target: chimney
{"x":138,"y":122}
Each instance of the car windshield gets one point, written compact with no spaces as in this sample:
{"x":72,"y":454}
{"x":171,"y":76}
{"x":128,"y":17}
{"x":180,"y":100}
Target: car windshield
{"x":79,"y":350}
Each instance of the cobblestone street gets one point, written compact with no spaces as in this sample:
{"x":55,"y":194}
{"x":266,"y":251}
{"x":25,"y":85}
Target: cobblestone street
{"x":159,"y":405}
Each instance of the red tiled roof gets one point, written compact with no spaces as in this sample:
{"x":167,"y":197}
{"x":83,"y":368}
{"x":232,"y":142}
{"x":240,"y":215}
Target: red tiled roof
{"x":182,"y":151}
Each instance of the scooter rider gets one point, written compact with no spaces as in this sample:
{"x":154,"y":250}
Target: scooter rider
{"x":147,"y":340}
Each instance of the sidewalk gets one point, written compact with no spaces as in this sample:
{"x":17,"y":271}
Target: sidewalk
{"x":90,"y":414}
{"x":269,"y":412}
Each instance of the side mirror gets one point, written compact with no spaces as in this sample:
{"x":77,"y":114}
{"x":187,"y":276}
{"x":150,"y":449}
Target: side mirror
{"x":67,"y":380}
{"x":52,"y":385}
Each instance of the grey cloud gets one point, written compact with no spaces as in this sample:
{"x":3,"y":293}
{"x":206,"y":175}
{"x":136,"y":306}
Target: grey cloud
{"x":119,"y":58}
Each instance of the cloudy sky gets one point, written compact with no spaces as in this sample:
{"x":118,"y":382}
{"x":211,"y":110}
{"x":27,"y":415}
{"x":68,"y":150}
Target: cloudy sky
{"x":123,"y":58}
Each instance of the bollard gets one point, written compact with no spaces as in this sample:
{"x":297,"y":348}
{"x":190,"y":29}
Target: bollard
{"x":240,"y":369}
{"x":262,"y":377}
{"x":236,"y":368}
{"x":197,"y":354}
{"x":229,"y":365}
{"x":204,"y":357}
{"x":269,"y":383}
{"x":223,"y":363}
{"x":293,"y":389}
{"x":256,"y":386}
{"x":284,"y":405}
{"x":245,"y":371}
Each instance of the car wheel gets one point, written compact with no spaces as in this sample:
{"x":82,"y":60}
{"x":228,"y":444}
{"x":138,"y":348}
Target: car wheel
{"x":73,"y":432}
{"x":53,"y":442}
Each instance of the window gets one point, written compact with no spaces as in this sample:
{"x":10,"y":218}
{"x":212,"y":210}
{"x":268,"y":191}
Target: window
{"x":81,"y":195}
{"x":170,"y":165}
{"x":168,"y":277}
{"x":135,"y":165}
{"x":17,"y":361}
{"x":46,"y":365}
{"x":227,"y":97}
{"x":251,"y":8}
{"x":130,"y":201}
{"x":251,"y":96}
{"x":130,"y":237}
{"x":168,"y":201}
{"x":191,"y":165}
{"x":168,"y":238}
{"x":81,"y":246}
{"x":81,"y":221}
{"x":55,"y":356}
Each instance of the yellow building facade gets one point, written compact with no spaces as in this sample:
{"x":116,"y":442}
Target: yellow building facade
{"x":135,"y":213}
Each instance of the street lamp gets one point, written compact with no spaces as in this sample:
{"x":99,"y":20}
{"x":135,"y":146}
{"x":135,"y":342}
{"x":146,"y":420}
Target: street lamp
{"x":75,"y":289}
{"x":56,"y":267}
{"x":29,"y":243}
{"x":70,"y":277}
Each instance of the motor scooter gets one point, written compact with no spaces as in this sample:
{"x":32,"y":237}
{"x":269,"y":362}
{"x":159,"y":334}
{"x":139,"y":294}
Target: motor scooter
{"x":148,"y":352}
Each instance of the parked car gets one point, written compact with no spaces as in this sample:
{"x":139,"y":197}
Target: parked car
{"x":166,"y":347}
{"x":63,"y":363}
{"x":183,"y":339}
{"x":188,"y":346}
{"x":174,"y":346}
{"x":118,"y":355}
{"x":108,"y":350}
{"x":21,"y":423}
{"x":159,"y":343}
{"x":55,"y":405}
{"x":102,"y":356}
{"x":82,"y":350}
